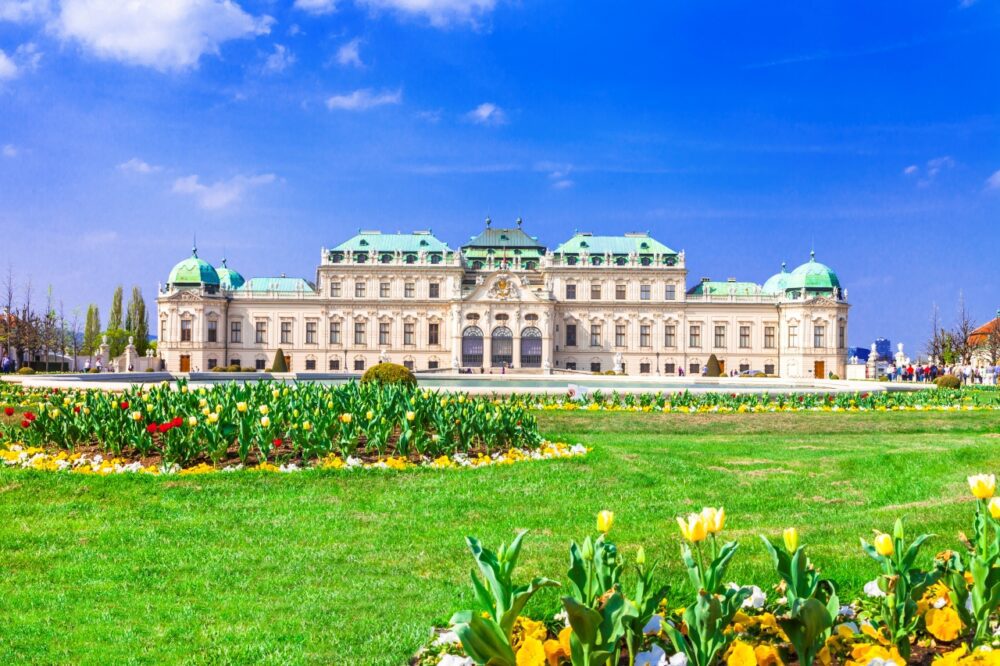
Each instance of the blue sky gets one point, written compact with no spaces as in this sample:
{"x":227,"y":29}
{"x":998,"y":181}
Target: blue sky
{"x":744,"y":133}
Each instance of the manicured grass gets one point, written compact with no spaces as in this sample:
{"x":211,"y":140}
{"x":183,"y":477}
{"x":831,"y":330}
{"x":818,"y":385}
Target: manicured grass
{"x":352,"y":568}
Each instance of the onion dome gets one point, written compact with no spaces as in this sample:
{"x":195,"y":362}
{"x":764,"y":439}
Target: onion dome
{"x":814,"y":277}
{"x":777,"y":283}
{"x":228,"y":278}
{"x":193,"y":272}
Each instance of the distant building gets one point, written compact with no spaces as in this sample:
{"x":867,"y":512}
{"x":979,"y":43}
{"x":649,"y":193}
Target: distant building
{"x":884,"y":348}
{"x":983,"y":341}
{"x":862,"y":353}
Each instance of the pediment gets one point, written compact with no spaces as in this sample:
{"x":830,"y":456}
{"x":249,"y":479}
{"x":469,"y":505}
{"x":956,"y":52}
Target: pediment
{"x":503,"y":288}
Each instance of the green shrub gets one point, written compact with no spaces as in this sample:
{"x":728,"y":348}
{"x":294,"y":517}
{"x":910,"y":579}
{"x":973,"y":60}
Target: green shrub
{"x":248,"y":369}
{"x":26,"y":371}
{"x":834,"y":375}
{"x":149,"y":370}
{"x":714,"y":369}
{"x":93,"y":370}
{"x":279,"y":364}
{"x":389,"y":373}
{"x":948,"y":382}
{"x":219,"y":368}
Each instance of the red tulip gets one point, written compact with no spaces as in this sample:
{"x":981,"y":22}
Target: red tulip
{"x":177,"y":422}
{"x":164,"y":427}
{"x":151,"y":428}
{"x":277,"y":442}
{"x":29,"y":416}
{"x":25,"y":424}
{"x":9,"y":411}
{"x":124,"y":404}
{"x":76,"y":410}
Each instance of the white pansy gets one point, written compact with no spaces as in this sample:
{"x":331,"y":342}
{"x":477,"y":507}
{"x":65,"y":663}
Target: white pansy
{"x":447,"y":638}
{"x":679,"y":659}
{"x":455,"y":660}
{"x":847,"y":612}
{"x":873,"y":590}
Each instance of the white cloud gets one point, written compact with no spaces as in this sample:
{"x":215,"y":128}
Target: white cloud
{"x":9,"y":150}
{"x":936,"y":165}
{"x":279,"y":61}
{"x":349,"y":55}
{"x":993,"y":182}
{"x":487,"y":113}
{"x":439,"y":12}
{"x":316,"y":6}
{"x":24,"y":59}
{"x":22,"y":11}
{"x":558,"y":174}
{"x":366,"y":98}
{"x":911,"y":170}
{"x":163,"y":35}
{"x":220,"y":194}
{"x":135,"y":165}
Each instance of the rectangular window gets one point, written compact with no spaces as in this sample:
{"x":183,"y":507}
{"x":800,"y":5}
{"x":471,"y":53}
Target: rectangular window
{"x":793,"y":336}
{"x":744,"y":337}
{"x":409,"y":289}
{"x":670,"y":336}
{"x":694,"y":369}
{"x":744,"y":367}
{"x":310,"y":332}
{"x":644,"y":335}
{"x":359,"y":333}
{"x":359,"y":364}
{"x":720,"y":337}
{"x":334,"y":290}
{"x":432,"y":334}
{"x":571,"y":292}
{"x":769,"y":337}
{"x":694,"y":336}
{"x":644,"y":368}
{"x":408,"y":365}
{"x":595,"y":366}
{"x":212,"y":362}
{"x":260,"y":332}
{"x":571,"y":365}
{"x":260,"y":364}
{"x":408,"y":333}
{"x":213,"y":331}
{"x":670,"y":368}
{"x":163,"y":330}
{"x":619,"y":335}
{"x":819,"y":337}
{"x":236,"y":331}
{"x":286,"y":332}
{"x":383,"y":333}
{"x":595,"y":291}
{"x":334,"y":332}
{"x":769,"y":369}
{"x":571,"y":335}
{"x":595,"y":335}
{"x":334,"y":364}
{"x":841,"y":336}
{"x":359,"y":290}
{"x":434,"y":290}
{"x":383,"y":290}
{"x":644,"y":292}
{"x":432,"y":365}
{"x":310,"y":364}
{"x":620,"y":292}
{"x":670,"y":293}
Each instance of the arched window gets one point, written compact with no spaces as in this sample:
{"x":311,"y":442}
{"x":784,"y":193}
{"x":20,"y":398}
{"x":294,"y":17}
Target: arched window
{"x":472,"y":347}
{"x":531,"y":347}
{"x":502,"y":347}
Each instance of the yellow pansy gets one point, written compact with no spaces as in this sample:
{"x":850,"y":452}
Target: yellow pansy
{"x":532,"y":653}
{"x":943,"y":623}
{"x":741,"y":654}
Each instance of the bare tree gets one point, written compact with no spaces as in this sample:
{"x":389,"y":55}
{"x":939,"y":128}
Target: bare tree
{"x":964,"y":326}
{"x":935,"y":343}
{"x":74,"y":337}
{"x":8,"y":327}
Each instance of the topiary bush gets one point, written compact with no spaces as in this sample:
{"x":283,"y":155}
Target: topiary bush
{"x":279,"y":364}
{"x":26,"y":371}
{"x":149,"y":370}
{"x":948,"y":382}
{"x":714,"y":369}
{"x":389,"y":373}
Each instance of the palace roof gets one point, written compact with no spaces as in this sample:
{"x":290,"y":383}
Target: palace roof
{"x":281,"y":284}
{"x":727,"y":288}
{"x":418,"y":241}
{"x":631,"y":243}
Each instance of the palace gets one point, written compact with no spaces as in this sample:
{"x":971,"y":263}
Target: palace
{"x":591,"y":304}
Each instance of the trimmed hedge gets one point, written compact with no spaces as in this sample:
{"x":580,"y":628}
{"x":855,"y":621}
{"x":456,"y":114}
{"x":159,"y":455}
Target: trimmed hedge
{"x":279,"y":364}
{"x":26,"y":371}
{"x":389,"y":373}
{"x":948,"y":382}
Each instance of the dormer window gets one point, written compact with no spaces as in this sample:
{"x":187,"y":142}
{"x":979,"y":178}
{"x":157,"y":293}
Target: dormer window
{"x":363,"y":243}
{"x":423,"y":243}
{"x":504,"y":237}
{"x":584,"y":244}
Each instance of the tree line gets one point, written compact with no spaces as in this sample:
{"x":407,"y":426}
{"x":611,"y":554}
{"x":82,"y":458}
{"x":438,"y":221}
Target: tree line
{"x":29,"y":328}
{"x":957,"y":344}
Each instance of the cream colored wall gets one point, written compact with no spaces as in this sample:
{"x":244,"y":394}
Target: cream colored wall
{"x":541,"y":302}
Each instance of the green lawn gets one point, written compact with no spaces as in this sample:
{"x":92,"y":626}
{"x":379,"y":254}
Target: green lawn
{"x":353,"y":568}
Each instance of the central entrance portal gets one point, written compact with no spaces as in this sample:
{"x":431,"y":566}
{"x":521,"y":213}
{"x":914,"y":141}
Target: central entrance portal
{"x":531,"y":348}
{"x":502,"y":347}
{"x":472,"y":347}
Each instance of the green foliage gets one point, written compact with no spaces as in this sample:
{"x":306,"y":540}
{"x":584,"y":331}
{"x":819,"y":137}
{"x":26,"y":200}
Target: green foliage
{"x":714,"y":369}
{"x":948,"y":382}
{"x":136,"y":321}
{"x":91,"y":331}
{"x":117,"y":339}
{"x":279,"y":364}
{"x":389,"y":373}
{"x":25,"y":370}
{"x":115,"y":317}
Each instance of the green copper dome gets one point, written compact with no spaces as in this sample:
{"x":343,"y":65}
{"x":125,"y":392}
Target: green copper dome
{"x":228,"y":278}
{"x":813,"y":277}
{"x":192,"y":272}
{"x":777,"y":283}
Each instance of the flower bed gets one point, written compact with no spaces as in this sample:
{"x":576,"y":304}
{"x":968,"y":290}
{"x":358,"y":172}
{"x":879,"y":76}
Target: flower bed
{"x":685,"y":402}
{"x":273,"y":423}
{"x":618,"y":612}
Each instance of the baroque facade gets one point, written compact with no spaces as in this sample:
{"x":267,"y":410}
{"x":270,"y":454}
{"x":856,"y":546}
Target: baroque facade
{"x":593,"y":303}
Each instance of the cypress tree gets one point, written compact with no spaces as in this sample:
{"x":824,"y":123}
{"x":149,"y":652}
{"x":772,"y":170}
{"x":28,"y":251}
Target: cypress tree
{"x":115,"y":318}
{"x":714,"y":370}
{"x":136,"y":322}
{"x":279,"y":364}
{"x":92,"y":331}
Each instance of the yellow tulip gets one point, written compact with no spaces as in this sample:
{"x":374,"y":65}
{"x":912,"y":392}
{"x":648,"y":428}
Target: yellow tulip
{"x":192,"y":421}
{"x":983,"y":485}
{"x":369,"y":415}
{"x":791,"y":536}
{"x":206,"y":411}
{"x":883,"y":545}
{"x":263,"y":409}
{"x":307,"y":426}
{"x":241,"y":406}
{"x":136,"y":416}
{"x":640,"y":557}
{"x":605,"y":519}
{"x":345,"y":418}
{"x":995,"y":507}
{"x":715,"y":519}
{"x":213,"y":417}
{"x":693,"y":529}
{"x":265,"y":421}
{"x":410,"y":416}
